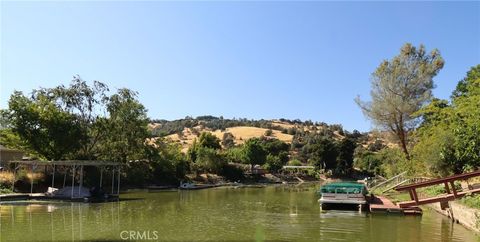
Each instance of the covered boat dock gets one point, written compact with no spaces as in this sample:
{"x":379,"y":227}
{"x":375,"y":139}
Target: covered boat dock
{"x":75,"y":167}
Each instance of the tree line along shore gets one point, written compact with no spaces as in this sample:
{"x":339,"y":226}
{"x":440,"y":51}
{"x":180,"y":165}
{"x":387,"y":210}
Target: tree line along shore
{"x":415,"y":132}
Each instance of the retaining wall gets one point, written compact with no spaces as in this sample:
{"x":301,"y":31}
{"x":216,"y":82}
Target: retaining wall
{"x":468,"y":217}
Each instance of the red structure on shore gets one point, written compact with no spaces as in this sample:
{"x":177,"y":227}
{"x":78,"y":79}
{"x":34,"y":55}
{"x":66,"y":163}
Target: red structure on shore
{"x":450,"y":195}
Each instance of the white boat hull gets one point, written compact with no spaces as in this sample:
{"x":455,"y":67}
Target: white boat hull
{"x":341,"y":201}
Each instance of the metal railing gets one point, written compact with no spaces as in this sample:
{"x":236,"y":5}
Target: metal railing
{"x":380,"y":186}
{"x":394,"y":180}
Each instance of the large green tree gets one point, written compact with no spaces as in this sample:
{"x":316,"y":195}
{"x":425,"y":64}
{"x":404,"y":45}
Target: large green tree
{"x":466,"y":83}
{"x":166,"y":161}
{"x":466,"y":120}
{"x":76,"y":122}
{"x":322,"y":152}
{"x":448,"y":140}
{"x":43,"y":127}
{"x":88,"y":104}
{"x":205,"y":140}
{"x":399,"y":88}
{"x":209,"y":160}
{"x":254,"y":153}
{"x":346,"y":149}
{"x":126,"y":127}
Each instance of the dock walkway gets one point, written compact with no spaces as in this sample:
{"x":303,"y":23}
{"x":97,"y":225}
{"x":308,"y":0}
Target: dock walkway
{"x":13,"y":197}
{"x":19,"y":196}
{"x":383,"y":204}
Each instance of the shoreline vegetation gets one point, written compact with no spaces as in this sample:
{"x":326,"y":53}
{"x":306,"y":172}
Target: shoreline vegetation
{"x":65,"y":123}
{"x":42,"y":181}
{"x":416,"y":133}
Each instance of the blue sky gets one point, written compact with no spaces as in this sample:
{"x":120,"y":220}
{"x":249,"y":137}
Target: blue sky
{"x":305,"y":60}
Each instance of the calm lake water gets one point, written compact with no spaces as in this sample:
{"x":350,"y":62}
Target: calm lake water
{"x":274,"y":213}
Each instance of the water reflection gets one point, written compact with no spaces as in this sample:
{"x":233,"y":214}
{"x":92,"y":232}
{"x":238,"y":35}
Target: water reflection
{"x":282,"y":213}
{"x":61,"y":220}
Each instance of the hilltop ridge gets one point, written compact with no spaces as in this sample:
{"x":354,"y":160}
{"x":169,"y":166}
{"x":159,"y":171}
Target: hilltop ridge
{"x":185,"y":131}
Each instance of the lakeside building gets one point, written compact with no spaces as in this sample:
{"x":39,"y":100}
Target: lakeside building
{"x":7,"y":155}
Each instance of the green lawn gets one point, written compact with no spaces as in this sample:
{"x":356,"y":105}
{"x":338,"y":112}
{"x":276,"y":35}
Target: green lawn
{"x":472,"y":201}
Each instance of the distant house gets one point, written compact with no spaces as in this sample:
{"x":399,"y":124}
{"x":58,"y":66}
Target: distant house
{"x":258,"y":170}
{"x":7,"y":154}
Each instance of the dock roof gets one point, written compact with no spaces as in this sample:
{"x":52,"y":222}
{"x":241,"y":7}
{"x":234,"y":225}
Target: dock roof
{"x":68,"y":162}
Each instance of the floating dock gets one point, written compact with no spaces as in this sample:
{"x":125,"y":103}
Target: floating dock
{"x":14,"y":197}
{"x":190,"y":186}
{"x":380,"y":204}
{"x":41,"y":196}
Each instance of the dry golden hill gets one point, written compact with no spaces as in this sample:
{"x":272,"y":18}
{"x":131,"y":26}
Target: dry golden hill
{"x":241,"y":134}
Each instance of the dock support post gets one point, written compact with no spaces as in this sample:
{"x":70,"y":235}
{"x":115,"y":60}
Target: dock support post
{"x":453,"y":189}
{"x":64,"y":177}
{"x":31,"y":181}
{"x":73,"y":180}
{"x":415,"y":196}
{"x":81,"y":180}
{"x":101,"y":177}
{"x":410,"y":192}
{"x":53,"y":177}
{"x":14,"y":177}
{"x":118,"y":183}
{"x":447,"y":188}
{"x":113,"y":179}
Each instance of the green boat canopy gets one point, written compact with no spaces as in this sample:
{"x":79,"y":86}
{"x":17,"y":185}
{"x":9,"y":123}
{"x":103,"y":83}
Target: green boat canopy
{"x":344,"y":187}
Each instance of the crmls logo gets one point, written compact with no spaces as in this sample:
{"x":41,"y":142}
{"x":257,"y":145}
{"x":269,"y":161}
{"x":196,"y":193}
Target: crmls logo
{"x":139,"y":235}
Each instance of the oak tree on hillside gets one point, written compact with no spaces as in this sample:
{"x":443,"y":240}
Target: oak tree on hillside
{"x":209,"y":140}
{"x":228,"y":140}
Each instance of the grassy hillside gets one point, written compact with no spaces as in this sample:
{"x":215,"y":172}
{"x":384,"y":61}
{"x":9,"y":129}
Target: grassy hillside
{"x":240,"y":133}
{"x":184,"y":131}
